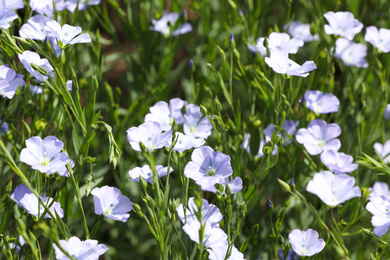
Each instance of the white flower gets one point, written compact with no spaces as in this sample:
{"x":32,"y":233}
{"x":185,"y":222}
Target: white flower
{"x":342,"y":24}
{"x":352,"y":54}
{"x":379,"y":38}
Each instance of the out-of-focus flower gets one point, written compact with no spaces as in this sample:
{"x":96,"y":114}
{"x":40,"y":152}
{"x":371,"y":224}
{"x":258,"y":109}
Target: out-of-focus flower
{"x":260,"y":153}
{"x":71,"y":5}
{"x":110,"y":202}
{"x":6,"y":16}
{"x":280,"y":63}
{"x":386,"y":112}
{"x":284,"y":41}
{"x":301,"y":31}
{"x":46,"y":7}
{"x":338,"y":162}
{"x":306,"y":243}
{"x":213,"y":236}
{"x":67,"y":34}
{"x":210,"y":213}
{"x":45,"y":155}
{"x":147,"y":173}
{"x":28,"y":57}
{"x":208,"y":167}
{"x":383,"y":151}
{"x":195,"y":124}
{"x":321,"y":103}
{"x":185,"y":142}
{"x":289,"y":128}
{"x":165,"y":114}
{"x":9,"y":82}
{"x":3,"y":127}
{"x":342,"y":24}
{"x":333,"y":189}
{"x":24,"y":197}
{"x":36,"y":89}
{"x":379,"y":189}
{"x":380,"y":39}
{"x":167,"y":22}
{"x":80,"y":250}
{"x":352,"y":54}
{"x":219,"y":253}
{"x":379,"y":207}
{"x":319,"y":136}
{"x":258,"y":47}
{"x":69,"y":84}
{"x":13,"y":4}
{"x":150,"y":135}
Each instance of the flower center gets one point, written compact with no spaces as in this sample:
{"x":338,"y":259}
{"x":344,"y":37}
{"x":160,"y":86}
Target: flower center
{"x":210,"y":171}
{"x":321,"y":143}
{"x":109,"y":210}
{"x":45,"y":161}
{"x":193,"y":128}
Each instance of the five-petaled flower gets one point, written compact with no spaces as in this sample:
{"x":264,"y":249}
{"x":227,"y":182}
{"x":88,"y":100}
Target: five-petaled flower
{"x":306,"y":243}
{"x":110,"y":202}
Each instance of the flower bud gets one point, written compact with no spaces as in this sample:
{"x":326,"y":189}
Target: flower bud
{"x":268,"y":148}
{"x":218,"y":105}
{"x":284,"y":185}
{"x":279,"y":139}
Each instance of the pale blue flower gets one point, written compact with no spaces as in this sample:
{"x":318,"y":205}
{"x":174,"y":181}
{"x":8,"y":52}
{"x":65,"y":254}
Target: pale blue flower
{"x":283,"y":41}
{"x":379,"y":189}
{"x":386,"y":112}
{"x":6,"y":16}
{"x":67,"y":34}
{"x":210,"y":213}
{"x":380,"y":39}
{"x":34,"y":28}
{"x":258,"y":47}
{"x":10,"y":81}
{"x":45,"y":155}
{"x":166,"y":22}
{"x":342,"y":24}
{"x":71,"y":5}
{"x":195,"y":124}
{"x":24,"y":197}
{"x":212,"y":236}
{"x":165,"y":113}
{"x":46,"y":7}
{"x":379,"y":207}
{"x":80,"y":250}
{"x":383,"y":151}
{"x":3,"y":127}
{"x":280,"y":63}
{"x":208,"y":167}
{"x":13,"y":4}
{"x":110,"y":202}
{"x":352,"y":54}
{"x":147,"y":173}
{"x":319,"y":136}
{"x":338,"y":162}
{"x":321,"y":103}
{"x":235,"y":186}
{"x":150,"y":135}
{"x":28,"y":57}
{"x":306,"y":243}
{"x":333,"y":189}
{"x":301,"y":31}
{"x":289,"y":128}
{"x":185,"y":142}
{"x":219,"y":253}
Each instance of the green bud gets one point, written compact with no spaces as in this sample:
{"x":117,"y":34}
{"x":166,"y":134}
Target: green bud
{"x":95,"y":83}
{"x":150,"y":202}
{"x":221,"y":52}
{"x":279,"y":140}
{"x":39,"y":69}
{"x":228,"y":191}
{"x":218,"y":105}
{"x":175,"y":127}
{"x":27,"y":129}
{"x":284,"y":185}
{"x":75,"y":84}
{"x":203,"y":109}
{"x":40,"y":125}
{"x":243,"y":209}
{"x":255,"y":229}
{"x":268,"y":148}
{"x":8,"y":188}
{"x":144,"y":184}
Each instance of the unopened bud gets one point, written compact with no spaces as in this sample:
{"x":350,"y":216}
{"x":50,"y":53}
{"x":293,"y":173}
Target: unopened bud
{"x":279,"y":139}
{"x":268,"y":148}
{"x":218,"y":105}
{"x":284,"y":185}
